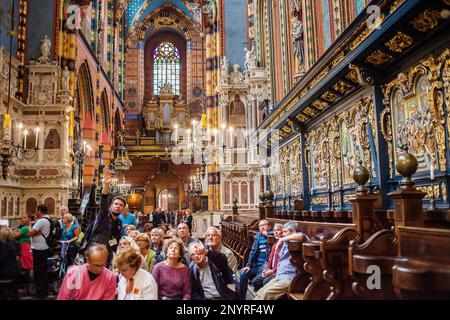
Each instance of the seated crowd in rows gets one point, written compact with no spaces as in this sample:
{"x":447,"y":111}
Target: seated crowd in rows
{"x":124,"y":261}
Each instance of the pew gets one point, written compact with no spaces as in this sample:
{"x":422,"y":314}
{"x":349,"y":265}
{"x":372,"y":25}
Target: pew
{"x":424,"y":270}
{"x":380,"y":251}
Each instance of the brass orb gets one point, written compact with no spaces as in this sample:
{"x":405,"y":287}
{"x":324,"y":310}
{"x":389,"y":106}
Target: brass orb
{"x":406,"y":164}
{"x":262,"y":196}
{"x":361,"y":174}
{"x":269,"y":195}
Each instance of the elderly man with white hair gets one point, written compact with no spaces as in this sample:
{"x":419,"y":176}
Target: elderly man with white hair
{"x":213,"y":241}
{"x":210,"y":274}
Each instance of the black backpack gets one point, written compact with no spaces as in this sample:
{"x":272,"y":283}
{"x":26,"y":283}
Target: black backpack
{"x":55,"y":233}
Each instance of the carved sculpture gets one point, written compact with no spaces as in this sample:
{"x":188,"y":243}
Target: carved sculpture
{"x":224,"y":70}
{"x":297,"y":35}
{"x":210,"y":12}
{"x":46,"y":46}
{"x":251,"y":60}
{"x":236,"y":77}
{"x":65,"y":79}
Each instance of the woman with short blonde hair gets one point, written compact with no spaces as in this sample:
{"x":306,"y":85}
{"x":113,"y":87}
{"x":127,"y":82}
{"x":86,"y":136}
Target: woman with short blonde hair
{"x":134,"y":282}
{"x":143,"y":242}
{"x":126,"y":243}
{"x":69,"y":237}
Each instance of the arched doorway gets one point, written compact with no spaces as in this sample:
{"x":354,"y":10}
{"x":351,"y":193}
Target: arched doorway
{"x":168,"y":199}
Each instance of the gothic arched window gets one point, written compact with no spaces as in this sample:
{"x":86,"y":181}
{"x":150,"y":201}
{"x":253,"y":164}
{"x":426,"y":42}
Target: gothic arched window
{"x":166,"y":68}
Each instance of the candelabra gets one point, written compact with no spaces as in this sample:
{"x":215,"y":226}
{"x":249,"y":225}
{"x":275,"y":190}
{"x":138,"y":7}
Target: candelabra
{"x":123,"y":188}
{"x":10,"y":151}
{"x":80,"y":155}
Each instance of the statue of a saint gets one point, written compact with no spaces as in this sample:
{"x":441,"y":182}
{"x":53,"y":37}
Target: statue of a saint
{"x":224,"y":67}
{"x":297,"y":35}
{"x":46,"y":46}
{"x":236,"y":77}
{"x":65,"y":79}
{"x":209,"y":9}
{"x":250,"y":58}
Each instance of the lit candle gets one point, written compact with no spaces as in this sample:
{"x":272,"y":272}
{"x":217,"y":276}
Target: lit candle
{"x":432,"y":171}
{"x":84,"y":146}
{"x":37,"y":135}
{"x":25,"y":133}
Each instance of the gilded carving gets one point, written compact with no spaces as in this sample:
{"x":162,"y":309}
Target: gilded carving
{"x":378,"y":58}
{"x":310,"y":112}
{"x":399,"y":42}
{"x":329,"y":97}
{"x":342,"y":87}
{"x":427,"y":20}
{"x":319,"y":104}
{"x":352,"y":75}
{"x":319,"y":201}
{"x":395,"y":5}
{"x":414,"y":103}
{"x":362,"y":36}
{"x":300,"y":117}
{"x":429,"y":191}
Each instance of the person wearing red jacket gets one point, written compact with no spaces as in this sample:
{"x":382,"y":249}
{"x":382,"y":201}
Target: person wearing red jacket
{"x":270,"y":269}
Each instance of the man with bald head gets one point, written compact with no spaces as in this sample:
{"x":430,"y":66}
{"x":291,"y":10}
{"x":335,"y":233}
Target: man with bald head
{"x":91,"y":281}
{"x":213,"y":241}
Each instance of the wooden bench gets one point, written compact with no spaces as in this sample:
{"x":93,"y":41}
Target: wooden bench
{"x":424,"y":270}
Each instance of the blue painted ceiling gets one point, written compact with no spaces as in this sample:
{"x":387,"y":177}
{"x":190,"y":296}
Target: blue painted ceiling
{"x":135,"y":6}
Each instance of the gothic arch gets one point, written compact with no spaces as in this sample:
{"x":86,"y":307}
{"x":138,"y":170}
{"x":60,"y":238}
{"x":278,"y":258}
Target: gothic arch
{"x":105,"y":117}
{"x":85,"y":103}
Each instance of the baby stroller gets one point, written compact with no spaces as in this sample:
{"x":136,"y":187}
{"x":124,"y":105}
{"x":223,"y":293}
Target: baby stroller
{"x":57,"y":268}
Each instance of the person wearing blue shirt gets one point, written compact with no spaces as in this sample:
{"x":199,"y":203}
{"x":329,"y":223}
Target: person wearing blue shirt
{"x":127,"y":218}
{"x":258,"y":256}
{"x":286,"y":271}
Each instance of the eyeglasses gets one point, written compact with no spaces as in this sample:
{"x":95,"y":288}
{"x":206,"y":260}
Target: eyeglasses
{"x":140,"y":240}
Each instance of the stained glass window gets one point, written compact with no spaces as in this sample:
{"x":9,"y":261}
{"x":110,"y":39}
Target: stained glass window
{"x":166,"y":68}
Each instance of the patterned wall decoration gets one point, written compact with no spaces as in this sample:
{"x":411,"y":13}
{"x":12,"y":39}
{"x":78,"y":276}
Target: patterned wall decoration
{"x":414,"y":112}
{"x":334,"y":149}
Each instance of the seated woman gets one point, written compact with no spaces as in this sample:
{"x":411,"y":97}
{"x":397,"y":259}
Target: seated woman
{"x":172,"y":233}
{"x":148,"y":227}
{"x":157,"y":242}
{"x":143,"y":242}
{"x":69,"y":238}
{"x":134,"y":282}
{"x":9,"y":266}
{"x":173,"y":277}
{"x":126,"y":243}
